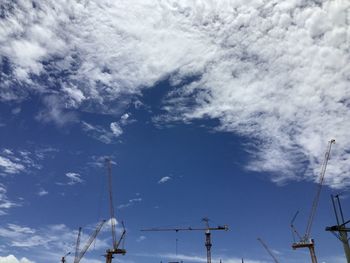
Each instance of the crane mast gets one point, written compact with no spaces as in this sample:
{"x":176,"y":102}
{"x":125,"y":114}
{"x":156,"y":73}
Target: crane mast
{"x":207,"y":232}
{"x":268,"y":250}
{"x":115,"y":245}
{"x":306,"y":241}
{"x":111,"y":206}
{"x":340,"y":230}
{"x":208,"y":244}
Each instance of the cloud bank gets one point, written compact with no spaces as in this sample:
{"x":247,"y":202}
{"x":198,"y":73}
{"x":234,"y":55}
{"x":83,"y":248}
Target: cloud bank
{"x":275,"y":72}
{"x":13,"y":259}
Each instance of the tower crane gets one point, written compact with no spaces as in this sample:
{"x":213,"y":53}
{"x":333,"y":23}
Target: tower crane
{"x":268,"y":250}
{"x":340,"y":227}
{"x":80,"y":253}
{"x":305,"y":241}
{"x":207,"y":232}
{"x":115,"y":245}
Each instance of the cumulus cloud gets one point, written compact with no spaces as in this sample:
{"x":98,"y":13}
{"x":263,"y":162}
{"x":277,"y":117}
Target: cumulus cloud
{"x":275,"y":72}
{"x":164,"y":179}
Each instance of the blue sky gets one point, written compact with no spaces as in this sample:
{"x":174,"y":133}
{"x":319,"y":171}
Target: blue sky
{"x":219,"y":110}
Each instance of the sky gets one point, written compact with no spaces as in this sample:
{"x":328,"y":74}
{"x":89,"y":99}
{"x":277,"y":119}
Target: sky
{"x":217,"y":109}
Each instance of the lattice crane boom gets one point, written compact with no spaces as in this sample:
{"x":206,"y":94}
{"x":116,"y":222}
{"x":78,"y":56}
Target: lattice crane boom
{"x":306,"y":241}
{"x":80,"y":254}
{"x":77,"y":245}
{"x":268,"y":250}
{"x":318,"y":191}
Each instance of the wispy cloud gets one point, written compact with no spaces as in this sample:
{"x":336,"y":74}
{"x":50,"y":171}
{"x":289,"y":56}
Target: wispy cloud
{"x":9,"y":166}
{"x":141,"y":238}
{"x":198,"y":258}
{"x":74,"y":178}
{"x":116,"y":129}
{"x":266,"y":77}
{"x":5,"y":203}
{"x":58,"y":238}
{"x":42,"y":192}
{"x":106,"y":136}
{"x":23,"y":161}
{"x":56,"y":111}
{"x":130,"y":202}
{"x":100,"y":161}
{"x":164,"y":179}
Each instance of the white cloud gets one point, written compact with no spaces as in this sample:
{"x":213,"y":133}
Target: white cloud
{"x":116,"y":129}
{"x":9,"y":166}
{"x":56,"y":111}
{"x":13,"y":259}
{"x":164,"y":179}
{"x":42,"y":192}
{"x":275,"y":72}
{"x":75,"y":178}
{"x":100,"y":133}
{"x":141,"y":238}
{"x":124,"y":119}
{"x":46,"y":239}
{"x":16,"y":111}
{"x":100,"y":161}
{"x":131,"y":202}
{"x":48,"y":243}
{"x":5,"y":203}
{"x":196,"y":258}
{"x":22,"y":161}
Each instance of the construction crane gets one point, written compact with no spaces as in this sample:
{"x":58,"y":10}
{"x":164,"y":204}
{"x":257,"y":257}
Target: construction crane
{"x":268,"y":250}
{"x":207,"y":230}
{"x":63,"y":259}
{"x":340,"y":227}
{"x":115,"y":245}
{"x":305,"y":241}
{"x":80,"y":253}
